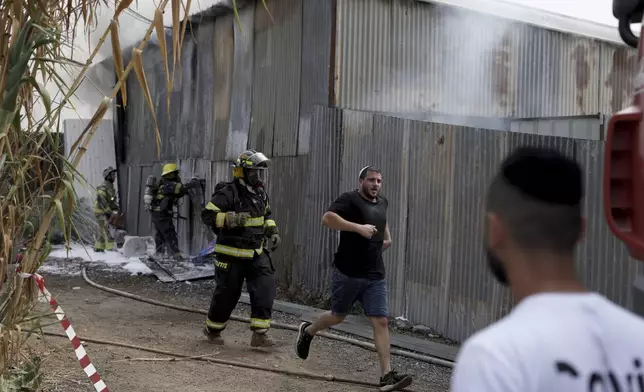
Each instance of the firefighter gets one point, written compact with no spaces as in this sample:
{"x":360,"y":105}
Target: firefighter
{"x":105,"y":206}
{"x":168,"y":192}
{"x":239,"y":213}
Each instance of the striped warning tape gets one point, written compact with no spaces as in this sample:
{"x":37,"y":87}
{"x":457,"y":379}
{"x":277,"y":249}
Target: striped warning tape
{"x":82,"y":356}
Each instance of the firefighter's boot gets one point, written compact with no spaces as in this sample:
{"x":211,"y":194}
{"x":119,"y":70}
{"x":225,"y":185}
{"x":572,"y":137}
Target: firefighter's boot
{"x":261,"y":339}
{"x":213,"y":336}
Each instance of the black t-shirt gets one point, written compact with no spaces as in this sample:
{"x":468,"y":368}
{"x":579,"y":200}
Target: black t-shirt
{"x":358,"y":256}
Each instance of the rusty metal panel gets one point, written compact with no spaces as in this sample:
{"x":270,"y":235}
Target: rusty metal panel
{"x":186,"y":105}
{"x":417,"y":57}
{"x":224,"y":44}
{"x":201,"y":116}
{"x":391,"y":154}
{"x":197,"y":232}
{"x":242,"y":84}
{"x":564,"y":145}
{"x":141,"y":145}
{"x":618,"y":65}
{"x":414,"y":57}
{"x":357,"y":147}
{"x":288,"y":209}
{"x":430,"y":226}
{"x":557,"y":74}
{"x":264,"y":83}
{"x":324,"y":169}
{"x":288,"y":56}
{"x":363,"y":54}
{"x":317,"y":25}
{"x":473,"y":293}
{"x":277,"y":68}
{"x":580,"y":127}
{"x":99,"y":155}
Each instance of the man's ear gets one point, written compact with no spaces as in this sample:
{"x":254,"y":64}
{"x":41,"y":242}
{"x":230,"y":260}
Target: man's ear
{"x":496,"y":231}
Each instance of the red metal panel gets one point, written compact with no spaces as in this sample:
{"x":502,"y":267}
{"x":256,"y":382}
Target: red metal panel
{"x":624,"y":170}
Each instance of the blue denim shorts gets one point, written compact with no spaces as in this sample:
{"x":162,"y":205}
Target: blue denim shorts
{"x":345,"y":291}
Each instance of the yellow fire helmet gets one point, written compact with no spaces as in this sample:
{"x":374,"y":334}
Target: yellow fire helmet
{"x":169,"y":168}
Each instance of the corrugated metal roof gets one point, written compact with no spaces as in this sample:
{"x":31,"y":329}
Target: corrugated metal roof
{"x":537,"y":17}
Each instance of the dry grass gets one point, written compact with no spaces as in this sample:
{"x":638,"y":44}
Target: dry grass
{"x":34,"y":184}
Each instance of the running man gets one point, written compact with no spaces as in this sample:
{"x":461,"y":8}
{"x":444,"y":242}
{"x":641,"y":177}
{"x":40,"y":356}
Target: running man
{"x":559,"y":336}
{"x":359,"y":273}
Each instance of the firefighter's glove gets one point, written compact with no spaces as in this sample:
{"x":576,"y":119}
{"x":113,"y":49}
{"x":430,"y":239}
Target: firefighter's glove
{"x":113,"y":218}
{"x":275,"y":241}
{"x":236,"y":219}
{"x":270,"y":230}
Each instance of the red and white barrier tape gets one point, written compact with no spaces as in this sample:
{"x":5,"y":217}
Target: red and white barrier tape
{"x":84,"y":360}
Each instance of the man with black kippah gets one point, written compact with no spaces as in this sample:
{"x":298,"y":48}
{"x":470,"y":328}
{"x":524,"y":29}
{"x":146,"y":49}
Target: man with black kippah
{"x":559,"y":336}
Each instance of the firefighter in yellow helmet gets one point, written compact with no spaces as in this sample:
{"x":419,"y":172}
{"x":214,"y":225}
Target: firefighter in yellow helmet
{"x":105,"y":206}
{"x":239,"y":213}
{"x":168,"y":192}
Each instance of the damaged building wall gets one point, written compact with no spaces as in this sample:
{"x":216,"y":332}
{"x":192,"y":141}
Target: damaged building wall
{"x":268,"y":86}
{"x":412,"y":56}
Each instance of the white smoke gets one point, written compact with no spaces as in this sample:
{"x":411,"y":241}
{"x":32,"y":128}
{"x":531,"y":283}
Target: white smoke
{"x":133,"y":24}
{"x":442,"y":60}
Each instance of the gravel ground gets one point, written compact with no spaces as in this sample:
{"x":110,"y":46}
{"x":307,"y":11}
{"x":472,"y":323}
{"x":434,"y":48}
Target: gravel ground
{"x":197,"y":294}
{"x":179,"y":331}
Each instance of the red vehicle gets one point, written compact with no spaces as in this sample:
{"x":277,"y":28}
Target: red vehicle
{"x":624,"y":155}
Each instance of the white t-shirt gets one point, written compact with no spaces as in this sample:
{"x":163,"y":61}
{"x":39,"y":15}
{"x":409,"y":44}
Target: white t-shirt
{"x":554,"y":342}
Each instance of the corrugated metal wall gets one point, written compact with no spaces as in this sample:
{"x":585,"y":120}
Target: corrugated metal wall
{"x":99,"y":155}
{"x":238,"y":88}
{"x":437,"y":268}
{"x":577,"y":127}
{"x":409,"y":56}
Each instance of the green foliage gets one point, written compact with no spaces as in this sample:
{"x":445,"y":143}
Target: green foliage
{"x":24,"y":378}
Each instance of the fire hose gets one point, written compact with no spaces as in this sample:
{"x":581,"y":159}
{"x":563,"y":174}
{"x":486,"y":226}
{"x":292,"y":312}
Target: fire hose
{"x":315,"y":376}
{"x":365,"y":345}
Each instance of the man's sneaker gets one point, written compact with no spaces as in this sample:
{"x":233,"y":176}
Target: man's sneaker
{"x":303,"y":344}
{"x":393,"y":381}
{"x":213,"y":336}
{"x":261,"y":340}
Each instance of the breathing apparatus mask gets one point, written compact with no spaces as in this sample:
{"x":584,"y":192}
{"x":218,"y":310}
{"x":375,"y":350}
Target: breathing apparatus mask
{"x":252,"y":168}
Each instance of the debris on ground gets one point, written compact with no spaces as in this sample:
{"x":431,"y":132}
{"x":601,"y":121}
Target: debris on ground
{"x":68,"y":261}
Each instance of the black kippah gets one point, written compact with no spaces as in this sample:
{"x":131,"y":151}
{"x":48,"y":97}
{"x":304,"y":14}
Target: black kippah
{"x":544,"y":174}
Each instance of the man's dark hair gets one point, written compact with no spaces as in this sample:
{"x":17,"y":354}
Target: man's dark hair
{"x":366,"y":170}
{"x":537,"y":194}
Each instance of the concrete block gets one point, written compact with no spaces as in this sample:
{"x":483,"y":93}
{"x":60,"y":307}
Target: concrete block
{"x":135,"y":246}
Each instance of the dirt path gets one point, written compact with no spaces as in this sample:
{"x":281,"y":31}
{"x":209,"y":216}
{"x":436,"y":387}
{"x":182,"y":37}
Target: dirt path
{"x":100,"y":315}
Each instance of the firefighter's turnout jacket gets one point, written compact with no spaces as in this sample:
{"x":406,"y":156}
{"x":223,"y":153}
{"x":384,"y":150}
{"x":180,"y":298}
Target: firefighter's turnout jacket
{"x":105,"y":201}
{"x":104,"y":205}
{"x":167,"y":196}
{"x":243,"y":242}
{"x":240,"y":255}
